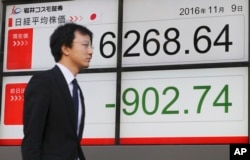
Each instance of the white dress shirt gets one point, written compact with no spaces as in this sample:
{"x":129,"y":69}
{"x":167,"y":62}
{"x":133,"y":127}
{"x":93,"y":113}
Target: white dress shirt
{"x":69,"y":77}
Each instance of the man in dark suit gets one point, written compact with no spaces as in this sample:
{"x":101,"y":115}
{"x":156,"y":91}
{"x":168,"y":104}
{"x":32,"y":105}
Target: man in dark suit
{"x":53,"y":113}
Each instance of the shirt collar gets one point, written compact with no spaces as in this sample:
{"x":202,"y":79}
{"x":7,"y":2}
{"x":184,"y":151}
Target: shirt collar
{"x":66,"y":73}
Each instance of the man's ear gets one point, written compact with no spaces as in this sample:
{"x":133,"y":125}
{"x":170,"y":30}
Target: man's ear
{"x":65,"y":50}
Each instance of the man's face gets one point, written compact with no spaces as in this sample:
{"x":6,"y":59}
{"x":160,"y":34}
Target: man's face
{"x":81,"y":51}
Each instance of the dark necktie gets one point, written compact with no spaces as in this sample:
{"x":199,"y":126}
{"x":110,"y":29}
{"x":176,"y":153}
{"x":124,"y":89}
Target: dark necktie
{"x":75,"y":98}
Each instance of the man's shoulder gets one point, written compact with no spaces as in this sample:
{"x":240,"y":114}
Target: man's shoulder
{"x":41,"y":81}
{"x":47,"y":72}
{"x":45,"y":75}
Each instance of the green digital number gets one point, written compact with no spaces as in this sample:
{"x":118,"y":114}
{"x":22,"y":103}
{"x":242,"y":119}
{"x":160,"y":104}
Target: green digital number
{"x":144,"y":98}
{"x":134,"y":101}
{"x":206,"y":89}
{"x":223,"y":102}
{"x":131,"y":98}
{"x":222,"y":99}
{"x":176,"y":95}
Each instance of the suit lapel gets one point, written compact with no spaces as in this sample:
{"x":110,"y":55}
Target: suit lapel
{"x":83,"y":115}
{"x":66,"y":93}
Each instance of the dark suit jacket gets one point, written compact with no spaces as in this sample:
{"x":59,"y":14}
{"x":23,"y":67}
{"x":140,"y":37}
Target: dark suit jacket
{"x":49,"y":128}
